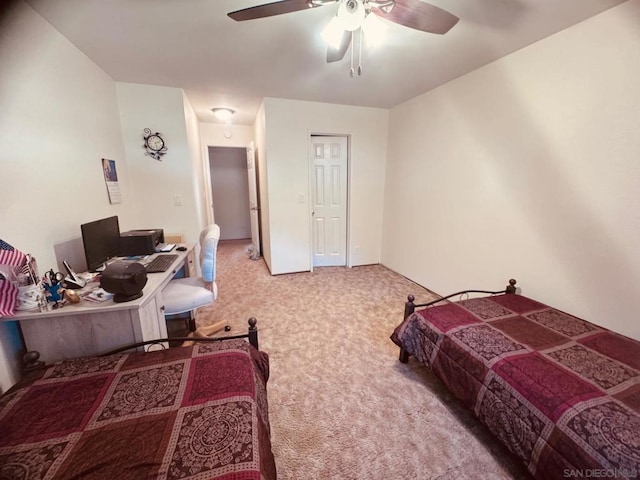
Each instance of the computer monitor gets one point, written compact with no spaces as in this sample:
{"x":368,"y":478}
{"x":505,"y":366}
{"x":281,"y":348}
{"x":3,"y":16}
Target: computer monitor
{"x":101,"y":239}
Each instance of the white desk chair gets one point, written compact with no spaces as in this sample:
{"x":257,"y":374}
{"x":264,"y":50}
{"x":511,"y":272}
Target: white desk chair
{"x":187,"y":294}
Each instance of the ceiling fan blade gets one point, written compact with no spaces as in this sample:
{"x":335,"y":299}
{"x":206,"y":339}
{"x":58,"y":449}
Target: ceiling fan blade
{"x":270,"y":9}
{"x":337,"y":54}
{"x":420,"y":16}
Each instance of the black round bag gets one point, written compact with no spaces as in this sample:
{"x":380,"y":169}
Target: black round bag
{"x":125,"y":280}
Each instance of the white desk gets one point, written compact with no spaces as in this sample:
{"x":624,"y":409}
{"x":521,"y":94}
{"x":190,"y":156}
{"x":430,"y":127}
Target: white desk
{"x":86,"y":328}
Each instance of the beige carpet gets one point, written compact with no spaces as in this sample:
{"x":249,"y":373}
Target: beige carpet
{"x":341,"y":405}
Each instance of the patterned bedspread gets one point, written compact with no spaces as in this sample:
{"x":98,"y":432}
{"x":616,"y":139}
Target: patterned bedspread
{"x":197,"y":412}
{"x":561,"y":393}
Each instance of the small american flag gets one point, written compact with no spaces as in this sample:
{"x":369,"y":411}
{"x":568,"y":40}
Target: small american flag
{"x":8,"y":298}
{"x":10,"y":255}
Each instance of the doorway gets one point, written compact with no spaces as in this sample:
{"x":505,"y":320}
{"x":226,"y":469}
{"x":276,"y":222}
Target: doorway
{"x":329,"y":197}
{"x":230,"y":191}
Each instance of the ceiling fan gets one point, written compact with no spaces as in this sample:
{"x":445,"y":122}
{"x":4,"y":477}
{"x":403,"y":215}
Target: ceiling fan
{"x":354,"y":17}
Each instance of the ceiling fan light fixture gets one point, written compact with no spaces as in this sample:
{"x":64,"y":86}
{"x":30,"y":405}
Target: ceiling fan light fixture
{"x":351,"y":14}
{"x":384,"y":5}
{"x":388,"y":7}
{"x":319,"y":3}
{"x":332,"y":33}
{"x":223,"y":113}
{"x":375,"y":30}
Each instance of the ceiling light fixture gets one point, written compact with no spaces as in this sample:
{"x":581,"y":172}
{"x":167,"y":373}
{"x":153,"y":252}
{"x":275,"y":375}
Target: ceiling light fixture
{"x":374,"y":30}
{"x":351,"y":13}
{"x":332,"y":33}
{"x":354,"y":19}
{"x":354,"y":15}
{"x":223,"y":113}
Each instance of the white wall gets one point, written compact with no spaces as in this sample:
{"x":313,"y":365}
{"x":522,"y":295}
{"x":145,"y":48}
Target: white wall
{"x":528,"y":168}
{"x":59,"y":118}
{"x":289,"y":125}
{"x":199,"y":178}
{"x":263,"y":185}
{"x":212,"y":135}
{"x":157,"y":182}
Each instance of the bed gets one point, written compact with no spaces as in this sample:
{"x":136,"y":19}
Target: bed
{"x":190,"y":412}
{"x":561,"y":393}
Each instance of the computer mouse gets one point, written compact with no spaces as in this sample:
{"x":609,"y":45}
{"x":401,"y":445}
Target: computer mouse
{"x":181,"y":248}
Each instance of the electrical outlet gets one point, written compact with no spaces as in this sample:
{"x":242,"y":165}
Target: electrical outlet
{"x":356,"y":249}
{"x":177,"y":200}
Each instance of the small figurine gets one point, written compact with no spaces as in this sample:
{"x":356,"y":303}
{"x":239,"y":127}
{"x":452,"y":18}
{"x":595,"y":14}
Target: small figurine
{"x":71,"y":295}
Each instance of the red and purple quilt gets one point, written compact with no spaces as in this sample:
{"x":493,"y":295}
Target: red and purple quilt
{"x":561,"y":393}
{"x":196,"y":412}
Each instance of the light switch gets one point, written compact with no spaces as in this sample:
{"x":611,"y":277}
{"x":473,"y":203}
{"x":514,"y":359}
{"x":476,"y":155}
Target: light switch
{"x":177,"y":200}
{"x":300,"y":198}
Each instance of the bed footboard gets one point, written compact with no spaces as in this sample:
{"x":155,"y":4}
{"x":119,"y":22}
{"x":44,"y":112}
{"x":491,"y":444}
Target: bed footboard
{"x":410,"y":306}
{"x":251,"y":336}
{"x":32,"y":360}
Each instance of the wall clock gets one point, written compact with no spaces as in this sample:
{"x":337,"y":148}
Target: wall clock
{"x":154,"y":144}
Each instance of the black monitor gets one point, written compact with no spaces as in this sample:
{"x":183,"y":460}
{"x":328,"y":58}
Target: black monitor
{"x":101,"y":240}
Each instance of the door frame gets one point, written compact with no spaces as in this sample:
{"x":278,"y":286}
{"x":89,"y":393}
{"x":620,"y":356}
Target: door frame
{"x":349,"y":263}
{"x":208,"y":191}
{"x":254,"y":184}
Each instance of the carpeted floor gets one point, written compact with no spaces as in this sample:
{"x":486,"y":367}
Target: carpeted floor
{"x":341,"y":405}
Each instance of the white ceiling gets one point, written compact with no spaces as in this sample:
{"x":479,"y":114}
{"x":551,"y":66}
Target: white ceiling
{"x":192,"y":44}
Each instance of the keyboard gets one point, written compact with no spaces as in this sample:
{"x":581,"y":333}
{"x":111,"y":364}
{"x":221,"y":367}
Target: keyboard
{"x":160,"y":264}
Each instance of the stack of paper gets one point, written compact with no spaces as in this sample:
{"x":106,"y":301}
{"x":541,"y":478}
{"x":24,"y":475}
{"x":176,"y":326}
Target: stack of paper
{"x":98,"y":295}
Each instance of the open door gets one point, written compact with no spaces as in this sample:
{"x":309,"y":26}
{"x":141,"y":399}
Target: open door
{"x":254,"y":206}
